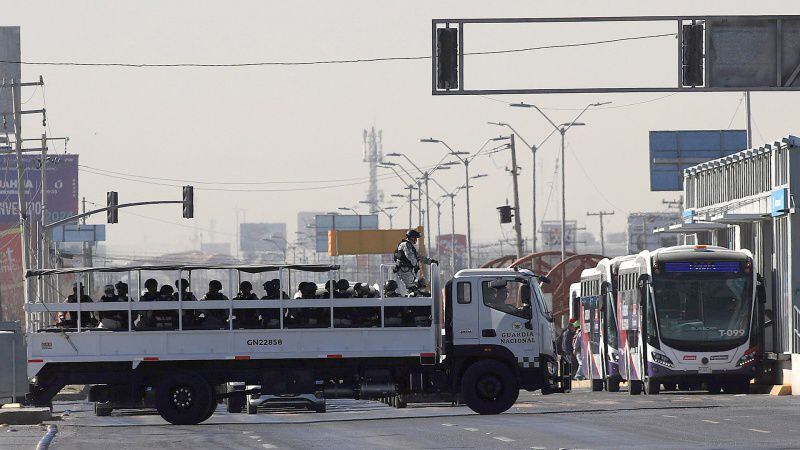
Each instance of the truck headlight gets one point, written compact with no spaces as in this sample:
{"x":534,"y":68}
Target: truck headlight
{"x":662,"y":359}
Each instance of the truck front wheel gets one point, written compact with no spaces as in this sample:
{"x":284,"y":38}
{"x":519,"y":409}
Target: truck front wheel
{"x":489,"y":387}
{"x":184,"y":398}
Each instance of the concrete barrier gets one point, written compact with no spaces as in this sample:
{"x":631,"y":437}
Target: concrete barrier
{"x":15,"y":414}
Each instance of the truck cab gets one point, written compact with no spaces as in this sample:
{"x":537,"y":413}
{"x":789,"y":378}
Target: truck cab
{"x":500,"y":315}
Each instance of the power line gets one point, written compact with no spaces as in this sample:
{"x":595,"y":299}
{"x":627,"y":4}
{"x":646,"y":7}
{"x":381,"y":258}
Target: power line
{"x":598,"y":108}
{"x":322,"y":61}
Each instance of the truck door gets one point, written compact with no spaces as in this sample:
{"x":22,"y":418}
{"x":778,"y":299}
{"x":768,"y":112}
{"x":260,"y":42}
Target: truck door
{"x":505,"y":318}
{"x":466,"y":328}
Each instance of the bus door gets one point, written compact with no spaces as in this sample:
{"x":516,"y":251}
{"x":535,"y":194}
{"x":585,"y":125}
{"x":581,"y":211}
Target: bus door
{"x":628,"y":307}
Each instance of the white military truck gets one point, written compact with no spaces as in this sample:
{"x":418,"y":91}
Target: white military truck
{"x":480,"y":338}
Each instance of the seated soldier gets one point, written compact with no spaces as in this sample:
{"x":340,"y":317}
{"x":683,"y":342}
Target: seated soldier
{"x":151,"y":291}
{"x":420,"y":288}
{"x":246,"y":318}
{"x":70,"y":319}
{"x":214,"y":319}
{"x":112,"y":320}
{"x":184,"y":294}
{"x":273,"y":291}
{"x":165,"y":319}
{"x":390,"y":289}
{"x":341,"y":291}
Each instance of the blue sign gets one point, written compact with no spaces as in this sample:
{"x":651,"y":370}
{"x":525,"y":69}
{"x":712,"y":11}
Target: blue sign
{"x":719,"y":267}
{"x":79,"y":233}
{"x":673,"y":151}
{"x":779,"y":202}
{"x":326,"y":222}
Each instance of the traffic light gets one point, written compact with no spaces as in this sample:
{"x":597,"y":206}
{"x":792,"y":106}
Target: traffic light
{"x":505,"y":214}
{"x":112,"y":200}
{"x":692,"y":68}
{"x":188,"y":202}
{"x":447,"y":58}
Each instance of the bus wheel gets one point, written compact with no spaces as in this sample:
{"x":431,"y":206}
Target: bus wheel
{"x":612,"y":384}
{"x":652,"y":387}
{"x":597,"y":385}
{"x":713,"y":387}
{"x":235,"y":404}
{"x":489,"y":387}
{"x":184,"y":398}
{"x":635,"y":387}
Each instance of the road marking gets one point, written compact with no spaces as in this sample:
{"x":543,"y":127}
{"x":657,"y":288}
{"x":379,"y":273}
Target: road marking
{"x":448,"y":424}
{"x":671,"y":417}
{"x":268,"y":446}
{"x":503,"y":438}
{"x":253,"y":437}
{"x":709,"y":421}
{"x":471,"y":429}
{"x":539,"y":448}
{"x":757,"y":430}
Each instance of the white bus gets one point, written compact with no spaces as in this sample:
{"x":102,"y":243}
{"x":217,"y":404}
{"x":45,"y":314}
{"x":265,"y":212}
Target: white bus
{"x":685,"y":316}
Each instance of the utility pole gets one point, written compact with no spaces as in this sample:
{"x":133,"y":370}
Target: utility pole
{"x":24,"y":232}
{"x":749,"y":121}
{"x":438,"y":230}
{"x":601,"y":214}
{"x":514,"y":173}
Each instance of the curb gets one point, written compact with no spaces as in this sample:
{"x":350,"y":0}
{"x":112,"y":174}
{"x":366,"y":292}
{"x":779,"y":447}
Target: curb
{"x":24,"y":416}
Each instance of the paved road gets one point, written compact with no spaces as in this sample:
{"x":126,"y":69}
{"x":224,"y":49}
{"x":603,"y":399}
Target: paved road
{"x":577,"y":420}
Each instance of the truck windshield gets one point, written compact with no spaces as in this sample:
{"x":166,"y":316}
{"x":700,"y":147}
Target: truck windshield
{"x":703,"y":311}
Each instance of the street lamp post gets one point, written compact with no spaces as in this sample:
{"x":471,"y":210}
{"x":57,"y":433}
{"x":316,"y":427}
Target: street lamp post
{"x":381,"y":209}
{"x":562,"y":129}
{"x":464,"y":160}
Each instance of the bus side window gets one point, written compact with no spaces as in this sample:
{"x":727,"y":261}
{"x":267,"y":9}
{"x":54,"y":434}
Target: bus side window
{"x":464,"y":292}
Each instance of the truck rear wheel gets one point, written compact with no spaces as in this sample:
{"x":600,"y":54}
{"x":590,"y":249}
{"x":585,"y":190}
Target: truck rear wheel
{"x":184,"y":398}
{"x":235,"y":404}
{"x":489,"y":387}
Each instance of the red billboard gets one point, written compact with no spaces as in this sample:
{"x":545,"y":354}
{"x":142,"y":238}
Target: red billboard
{"x":444,"y":243}
{"x":11,"y":287}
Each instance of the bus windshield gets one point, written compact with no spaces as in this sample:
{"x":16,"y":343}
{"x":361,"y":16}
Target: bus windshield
{"x":703,"y":311}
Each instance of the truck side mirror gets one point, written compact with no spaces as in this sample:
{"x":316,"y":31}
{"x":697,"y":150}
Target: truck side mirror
{"x":528,"y":325}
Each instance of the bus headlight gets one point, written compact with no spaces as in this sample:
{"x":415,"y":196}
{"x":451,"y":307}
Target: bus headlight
{"x":662,"y":359}
{"x":748,"y":358}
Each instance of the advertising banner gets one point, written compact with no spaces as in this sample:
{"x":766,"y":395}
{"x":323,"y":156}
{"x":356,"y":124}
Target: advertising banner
{"x":445,"y":250}
{"x":62,"y":187}
{"x":11,"y":287}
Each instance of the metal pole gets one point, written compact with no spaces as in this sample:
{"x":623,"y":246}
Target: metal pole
{"x":43,"y":242}
{"x":517,"y":224}
{"x":428,"y":211}
{"x":419,"y":202}
{"x":469,"y":220}
{"x":438,"y":230}
{"x":23,"y":213}
{"x":453,"y":232}
{"x":749,"y":121}
{"x":563,"y":201}
{"x":410,"y":204}
{"x":533,"y":183}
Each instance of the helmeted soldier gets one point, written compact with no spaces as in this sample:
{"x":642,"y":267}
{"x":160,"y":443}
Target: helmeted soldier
{"x":407,"y":259}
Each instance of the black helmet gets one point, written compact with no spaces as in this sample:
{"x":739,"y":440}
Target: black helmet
{"x":183,"y":282}
{"x":342,"y":285}
{"x":151,"y":282}
{"x":390,"y":286}
{"x":268,"y":285}
{"x":214,"y":285}
{"x":245,"y":285}
{"x":121,"y":286}
{"x":166,"y":290}
{"x":412,"y":234}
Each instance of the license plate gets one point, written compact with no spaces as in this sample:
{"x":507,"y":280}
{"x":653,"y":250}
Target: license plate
{"x":704,"y":370}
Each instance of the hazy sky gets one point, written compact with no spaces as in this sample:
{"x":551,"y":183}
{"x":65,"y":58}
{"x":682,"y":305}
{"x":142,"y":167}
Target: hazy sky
{"x":283,"y":124}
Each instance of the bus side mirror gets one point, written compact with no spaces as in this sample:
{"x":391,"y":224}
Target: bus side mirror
{"x":544,"y":279}
{"x":642,"y":282}
{"x":768,"y":318}
{"x":761,"y":290}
